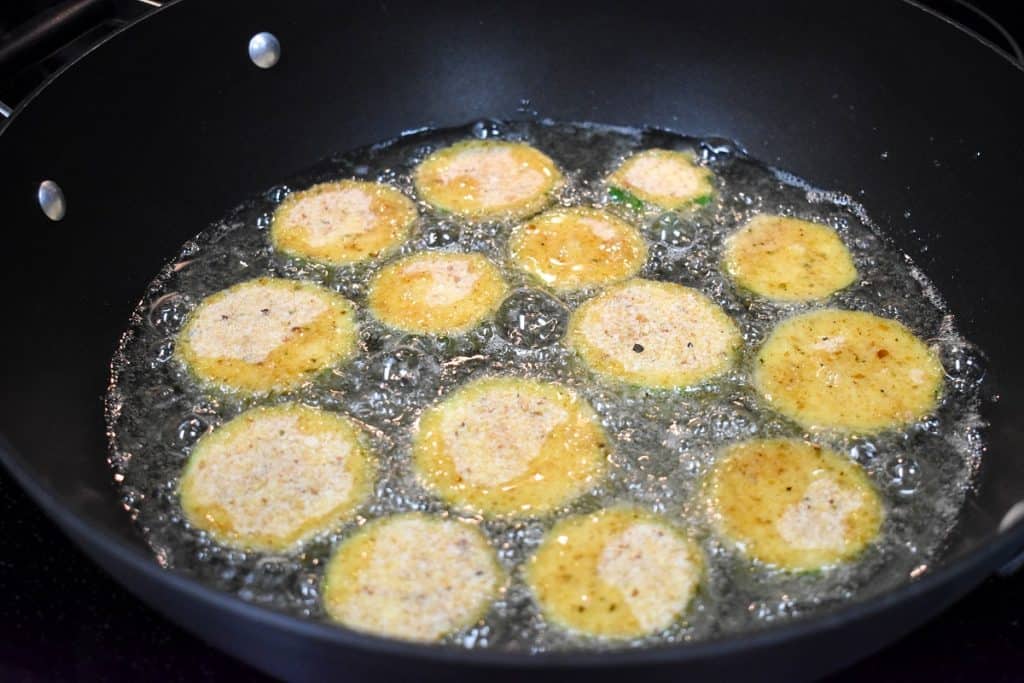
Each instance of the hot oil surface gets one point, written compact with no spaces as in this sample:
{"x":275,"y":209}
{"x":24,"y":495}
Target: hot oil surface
{"x":663,"y":442}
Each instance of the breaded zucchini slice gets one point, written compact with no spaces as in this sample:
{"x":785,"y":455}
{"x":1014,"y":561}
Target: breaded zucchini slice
{"x":488,"y":179}
{"x":342,"y":222}
{"x":792,"y":504}
{"x":274,"y":476}
{"x":507,"y":446}
{"x":620,"y":572}
{"x":787,"y":259}
{"x":266,"y":335}
{"x":654,"y":334}
{"x":664,"y":177}
{"x":437,"y":292}
{"x":570,"y":249}
{"x":412,"y":577}
{"x":848,"y":371}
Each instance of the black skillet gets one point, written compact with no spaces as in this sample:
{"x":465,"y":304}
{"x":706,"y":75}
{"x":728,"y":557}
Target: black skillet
{"x":160,"y":129}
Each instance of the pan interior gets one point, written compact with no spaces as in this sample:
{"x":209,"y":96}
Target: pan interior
{"x":663,"y":442}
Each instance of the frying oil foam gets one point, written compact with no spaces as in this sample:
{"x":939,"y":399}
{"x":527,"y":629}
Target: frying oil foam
{"x":664,"y":442}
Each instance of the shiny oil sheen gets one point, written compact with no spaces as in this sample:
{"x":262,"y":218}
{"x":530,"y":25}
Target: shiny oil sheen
{"x":663,"y":442}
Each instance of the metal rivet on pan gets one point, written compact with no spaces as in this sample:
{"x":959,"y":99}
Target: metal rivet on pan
{"x":264,"y":50}
{"x":51,"y":200}
{"x":1012,"y":516}
{"x":1015,"y":513}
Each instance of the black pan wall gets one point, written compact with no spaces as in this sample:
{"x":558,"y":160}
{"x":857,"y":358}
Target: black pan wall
{"x":161,"y":129}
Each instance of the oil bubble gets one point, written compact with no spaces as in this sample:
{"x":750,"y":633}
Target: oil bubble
{"x":730,"y":421}
{"x":236,"y":557}
{"x":406,"y":369}
{"x":307,"y":586}
{"x":388,"y":385}
{"x":665,"y":263}
{"x":531,"y":319}
{"x":963,"y":364}
{"x":716,"y":149}
{"x":670,"y":229}
{"x":131,"y":497}
{"x":483,"y":130}
{"x":190,"y":429}
{"x":904,"y":475}
{"x":864,"y":453}
{"x":278,"y":193}
{"x":160,"y":353}
{"x":168,"y":313}
{"x":441,"y":235}
{"x":774,"y":610}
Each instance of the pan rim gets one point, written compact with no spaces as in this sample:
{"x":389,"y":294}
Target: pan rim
{"x":992,"y":552}
{"x":990,"y":555}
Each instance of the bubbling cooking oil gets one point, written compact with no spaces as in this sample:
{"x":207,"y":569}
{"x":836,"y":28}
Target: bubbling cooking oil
{"x":663,"y":442}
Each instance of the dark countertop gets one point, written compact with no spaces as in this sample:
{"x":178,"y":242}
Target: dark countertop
{"x":62,"y":619}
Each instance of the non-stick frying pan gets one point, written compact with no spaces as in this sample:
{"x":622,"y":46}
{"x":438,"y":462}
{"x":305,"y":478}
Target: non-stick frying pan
{"x":160,"y":129}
